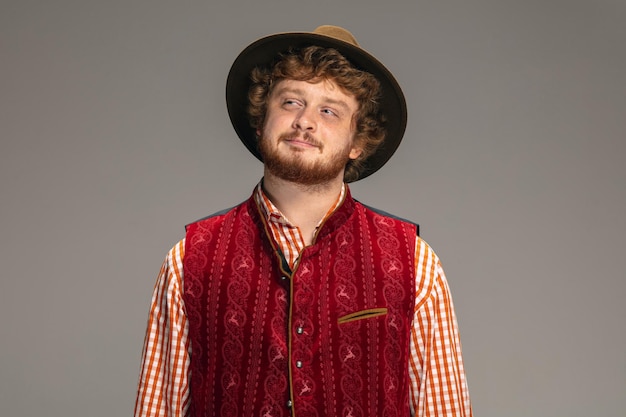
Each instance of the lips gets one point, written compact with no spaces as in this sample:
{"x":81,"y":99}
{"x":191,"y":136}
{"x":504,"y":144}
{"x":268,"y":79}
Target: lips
{"x":304,"y":140}
{"x":301,"y":142}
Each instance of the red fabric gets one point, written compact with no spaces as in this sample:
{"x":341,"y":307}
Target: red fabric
{"x":259,"y":341}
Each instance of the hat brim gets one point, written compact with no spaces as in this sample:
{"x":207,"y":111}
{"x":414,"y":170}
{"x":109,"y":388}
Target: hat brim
{"x":263,"y":52}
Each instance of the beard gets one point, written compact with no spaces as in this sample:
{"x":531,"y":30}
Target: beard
{"x":293,"y":166}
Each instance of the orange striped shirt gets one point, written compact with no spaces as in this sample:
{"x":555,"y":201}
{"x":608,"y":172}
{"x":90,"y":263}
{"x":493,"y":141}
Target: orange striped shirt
{"x":438,"y":385}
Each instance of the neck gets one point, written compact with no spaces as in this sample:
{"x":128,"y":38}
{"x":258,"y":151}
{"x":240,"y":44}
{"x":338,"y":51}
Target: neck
{"x":303,"y":205}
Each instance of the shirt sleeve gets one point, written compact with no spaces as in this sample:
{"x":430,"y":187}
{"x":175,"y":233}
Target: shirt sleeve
{"x":438,"y":386}
{"x":163,"y":382}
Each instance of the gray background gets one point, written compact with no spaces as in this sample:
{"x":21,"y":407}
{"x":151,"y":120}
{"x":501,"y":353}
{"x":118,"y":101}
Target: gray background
{"x":114,"y":134}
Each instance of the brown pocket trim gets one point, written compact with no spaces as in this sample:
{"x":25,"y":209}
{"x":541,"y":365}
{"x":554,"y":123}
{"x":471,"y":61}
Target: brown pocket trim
{"x":363,"y":314}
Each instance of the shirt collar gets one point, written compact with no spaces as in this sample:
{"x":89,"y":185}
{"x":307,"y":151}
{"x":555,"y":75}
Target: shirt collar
{"x":272,"y":214}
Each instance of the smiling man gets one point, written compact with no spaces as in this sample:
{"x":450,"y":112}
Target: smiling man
{"x":301,"y":301}
{"x":313,"y":121}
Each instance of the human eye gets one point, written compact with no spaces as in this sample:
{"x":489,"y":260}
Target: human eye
{"x":290,"y":103}
{"x":330,"y":112}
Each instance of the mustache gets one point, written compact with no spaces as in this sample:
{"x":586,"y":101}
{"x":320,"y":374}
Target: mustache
{"x":306,"y":137}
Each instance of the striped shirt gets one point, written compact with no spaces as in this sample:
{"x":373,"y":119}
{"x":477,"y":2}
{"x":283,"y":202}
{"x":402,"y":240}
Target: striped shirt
{"x":286,"y":235}
{"x":437,"y":386}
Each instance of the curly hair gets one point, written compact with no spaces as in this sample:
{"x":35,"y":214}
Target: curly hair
{"x":316,"y":63}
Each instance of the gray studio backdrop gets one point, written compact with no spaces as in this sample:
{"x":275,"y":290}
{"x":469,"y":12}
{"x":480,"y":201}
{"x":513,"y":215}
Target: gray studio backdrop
{"x":114,"y":134}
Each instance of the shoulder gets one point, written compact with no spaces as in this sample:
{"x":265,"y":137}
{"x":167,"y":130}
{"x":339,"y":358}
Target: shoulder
{"x":171,"y":275}
{"x":212,"y":218}
{"x":426,"y":259}
{"x":431,"y":281}
{"x":175,"y":254}
{"x":208,"y":223}
{"x":375,"y":212}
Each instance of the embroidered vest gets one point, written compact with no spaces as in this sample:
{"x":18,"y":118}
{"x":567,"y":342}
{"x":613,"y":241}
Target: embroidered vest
{"x":329,"y":338}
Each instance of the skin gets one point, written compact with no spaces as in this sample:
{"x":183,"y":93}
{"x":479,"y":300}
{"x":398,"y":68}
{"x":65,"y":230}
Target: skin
{"x":306,"y":140}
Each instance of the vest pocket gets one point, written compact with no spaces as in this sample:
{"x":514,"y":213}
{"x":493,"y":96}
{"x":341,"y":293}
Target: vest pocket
{"x":363,"y":314}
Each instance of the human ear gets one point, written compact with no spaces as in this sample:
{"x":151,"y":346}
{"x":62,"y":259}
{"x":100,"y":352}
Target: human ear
{"x":355,"y":152}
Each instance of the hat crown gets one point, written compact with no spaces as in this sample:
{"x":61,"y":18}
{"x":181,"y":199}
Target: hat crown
{"x":337,"y":33}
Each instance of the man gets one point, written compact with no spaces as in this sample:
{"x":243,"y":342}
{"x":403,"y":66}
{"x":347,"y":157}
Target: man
{"x":302,"y":301}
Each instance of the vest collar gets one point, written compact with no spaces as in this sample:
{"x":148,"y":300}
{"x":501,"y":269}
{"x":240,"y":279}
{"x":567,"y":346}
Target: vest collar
{"x":333,"y":222}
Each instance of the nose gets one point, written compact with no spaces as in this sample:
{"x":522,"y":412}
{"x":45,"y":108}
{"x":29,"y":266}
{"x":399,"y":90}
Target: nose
{"x":305,"y":120}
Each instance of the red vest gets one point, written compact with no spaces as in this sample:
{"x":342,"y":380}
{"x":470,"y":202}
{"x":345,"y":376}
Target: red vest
{"x":330,"y":338}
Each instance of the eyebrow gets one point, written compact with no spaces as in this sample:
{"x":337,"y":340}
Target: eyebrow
{"x":299,"y":91}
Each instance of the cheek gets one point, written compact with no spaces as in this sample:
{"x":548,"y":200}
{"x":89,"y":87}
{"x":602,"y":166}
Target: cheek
{"x":273,"y":123}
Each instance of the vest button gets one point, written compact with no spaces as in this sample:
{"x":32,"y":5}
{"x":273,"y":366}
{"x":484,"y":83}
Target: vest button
{"x":289,"y":403}
{"x":283,"y":278}
{"x":299,"y":330}
{"x":298,"y":364}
